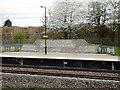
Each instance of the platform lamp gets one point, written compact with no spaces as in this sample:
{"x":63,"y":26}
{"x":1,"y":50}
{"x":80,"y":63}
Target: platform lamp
{"x":45,"y":35}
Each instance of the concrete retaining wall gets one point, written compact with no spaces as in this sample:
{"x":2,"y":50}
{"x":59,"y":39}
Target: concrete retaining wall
{"x":67,"y":46}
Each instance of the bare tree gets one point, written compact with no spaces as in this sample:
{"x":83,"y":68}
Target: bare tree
{"x":114,"y":18}
{"x":114,"y":14}
{"x":98,"y":16}
{"x":119,"y":12}
{"x":64,"y":15}
{"x":97,"y":13}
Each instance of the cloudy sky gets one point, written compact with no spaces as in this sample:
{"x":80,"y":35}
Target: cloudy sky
{"x":24,"y":12}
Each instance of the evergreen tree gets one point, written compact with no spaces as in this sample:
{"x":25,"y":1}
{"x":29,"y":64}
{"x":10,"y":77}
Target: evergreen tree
{"x":8,"y":23}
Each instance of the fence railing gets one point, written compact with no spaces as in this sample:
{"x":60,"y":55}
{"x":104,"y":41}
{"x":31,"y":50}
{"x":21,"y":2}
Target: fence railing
{"x":17,"y":48}
{"x":10,"y":46}
{"x":12,"y":42}
{"x":106,"y":50}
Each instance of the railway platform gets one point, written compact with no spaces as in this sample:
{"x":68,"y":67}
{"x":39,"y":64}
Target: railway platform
{"x":88,"y":60}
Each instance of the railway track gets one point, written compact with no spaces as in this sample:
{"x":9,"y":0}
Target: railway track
{"x":60,"y":68}
{"x":63,"y":74}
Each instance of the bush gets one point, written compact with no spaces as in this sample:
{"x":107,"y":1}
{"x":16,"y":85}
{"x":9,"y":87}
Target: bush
{"x":34,"y":37}
{"x":18,"y":36}
{"x":117,"y":51}
{"x":17,"y":49}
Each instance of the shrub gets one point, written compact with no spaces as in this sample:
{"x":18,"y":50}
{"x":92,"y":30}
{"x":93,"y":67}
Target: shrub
{"x":18,"y":36}
{"x":117,"y":51}
{"x":16,"y":49}
{"x":34,"y":37}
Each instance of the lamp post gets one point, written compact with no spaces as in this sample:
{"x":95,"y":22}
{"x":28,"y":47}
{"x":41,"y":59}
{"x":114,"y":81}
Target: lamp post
{"x":45,"y":36}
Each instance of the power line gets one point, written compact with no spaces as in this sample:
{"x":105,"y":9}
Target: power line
{"x":22,"y":17}
{"x":21,"y":13}
{"x":23,"y":7}
{"x":27,"y":22}
{"x":19,"y":7}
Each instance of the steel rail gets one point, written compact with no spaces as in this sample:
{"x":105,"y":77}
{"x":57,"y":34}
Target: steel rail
{"x":116,"y":78}
{"x":61,"y":68}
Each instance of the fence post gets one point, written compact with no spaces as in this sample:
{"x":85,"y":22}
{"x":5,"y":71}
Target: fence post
{"x":21,"y":62}
{"x":113,"y":66}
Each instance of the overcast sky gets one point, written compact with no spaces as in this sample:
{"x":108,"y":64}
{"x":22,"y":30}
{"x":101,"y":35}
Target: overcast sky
{"x":24,"y":12}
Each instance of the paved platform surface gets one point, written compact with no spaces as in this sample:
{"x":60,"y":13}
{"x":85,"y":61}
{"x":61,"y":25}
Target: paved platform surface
{"x":70,"y":56}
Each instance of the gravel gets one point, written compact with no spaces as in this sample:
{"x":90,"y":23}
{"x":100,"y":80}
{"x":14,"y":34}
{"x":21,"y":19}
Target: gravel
{"x":48,"y":82}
